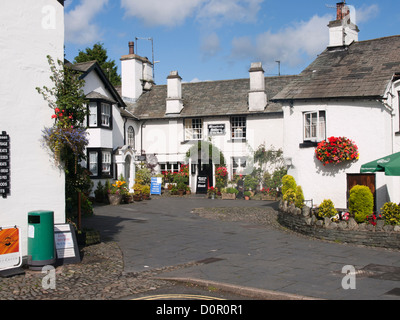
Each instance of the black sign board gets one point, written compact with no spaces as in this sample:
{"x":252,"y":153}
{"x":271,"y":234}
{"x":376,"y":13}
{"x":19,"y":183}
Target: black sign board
{"x":202,"y":184}
{"x":216,"y":129}
{"x":4,"y":164}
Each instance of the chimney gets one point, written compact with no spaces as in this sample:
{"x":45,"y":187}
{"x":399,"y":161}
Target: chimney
{"x":174,"y":103}
{"x":342,"y":31}
{"x":136,"y":74}
{"x":257,"y":93}
{"x":131,"y":47}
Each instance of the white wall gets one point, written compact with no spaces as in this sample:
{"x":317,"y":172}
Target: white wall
{"x":29,"y":31}
{"x":367,"y":123}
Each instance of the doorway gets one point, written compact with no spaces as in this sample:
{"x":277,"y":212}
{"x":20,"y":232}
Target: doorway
{"x":368,"y":180}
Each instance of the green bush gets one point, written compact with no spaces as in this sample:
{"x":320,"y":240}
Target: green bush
{"x":288,"y":182}
{"x":299,"y":202}
{"x":290,"y":196}
{"x":327,"y":209}
{"x":361,"y":203}
{"x":391,"y":213}
{"x":231,"y":190}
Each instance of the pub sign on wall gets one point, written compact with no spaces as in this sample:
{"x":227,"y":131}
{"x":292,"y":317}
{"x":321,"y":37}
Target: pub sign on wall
{"x":4,"y":165}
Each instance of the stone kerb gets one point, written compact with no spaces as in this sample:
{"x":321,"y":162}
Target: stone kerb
{"x":304,"y":221}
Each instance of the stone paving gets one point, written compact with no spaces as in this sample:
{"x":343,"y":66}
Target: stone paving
{"x":147,"y":244}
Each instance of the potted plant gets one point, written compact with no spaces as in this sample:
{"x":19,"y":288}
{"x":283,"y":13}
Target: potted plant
{"x":247,"y":195}
{"x":188,"y":191}
{"x":229,"y":193}
{"x":212,"y":192}
{"x":137,"y":195}
{"x":116,"y":192}
{"x":146,"y":192}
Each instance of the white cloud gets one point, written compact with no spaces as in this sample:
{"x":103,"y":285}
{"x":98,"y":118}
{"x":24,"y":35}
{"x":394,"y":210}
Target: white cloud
{"x":210,"y":45}
{"x":79,"y":25}
{"x":289,"y":45}
{"x":365,"y":13}
{"x":173,"y":13}
{"x":219,"y":12}
{"x":161,"y":12}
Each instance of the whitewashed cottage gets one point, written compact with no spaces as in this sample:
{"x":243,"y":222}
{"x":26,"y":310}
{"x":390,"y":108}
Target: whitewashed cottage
{"x":351,"y":90}
{"x":235,"y":116}
{"x":112,"y":129}
{"x":29,"y":180}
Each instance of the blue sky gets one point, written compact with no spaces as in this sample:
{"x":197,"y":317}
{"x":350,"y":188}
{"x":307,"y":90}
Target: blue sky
{"x":218,"y":39}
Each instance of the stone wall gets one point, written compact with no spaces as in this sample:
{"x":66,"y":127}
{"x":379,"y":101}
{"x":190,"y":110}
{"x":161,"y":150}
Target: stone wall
{"x":305,"y":222}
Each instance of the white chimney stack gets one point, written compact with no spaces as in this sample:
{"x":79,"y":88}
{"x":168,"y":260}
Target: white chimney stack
{"x":174,"y":93}
{"x":257,"y":94}
{"x":136,"y":74}
{"x":342,"y":31}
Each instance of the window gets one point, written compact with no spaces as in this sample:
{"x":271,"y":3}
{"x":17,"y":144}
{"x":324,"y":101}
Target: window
{"x":131,"y":137}
{"x":106,"y":163}
{"x":193,"y":129}
{"x":93,"y":163}
{"x":92,"y":114}
{"x":100,"y":162}
{"x":314,"y":126}
{"x":105,"y":114}
{"x":238,"y":125}
{"x":100,"y":114}
{"x":239,"y":165}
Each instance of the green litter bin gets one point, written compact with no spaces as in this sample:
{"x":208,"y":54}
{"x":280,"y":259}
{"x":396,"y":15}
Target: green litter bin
{"x":41,"y":246}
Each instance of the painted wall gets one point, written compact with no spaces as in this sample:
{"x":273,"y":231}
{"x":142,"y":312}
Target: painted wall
{"x":29,"y":31}
{"x":367,"y":123}
{"x":166,"y":138}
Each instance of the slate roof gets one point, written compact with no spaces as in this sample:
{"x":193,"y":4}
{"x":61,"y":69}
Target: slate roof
{"x":209,"y":98}
{"x":362,"y":70}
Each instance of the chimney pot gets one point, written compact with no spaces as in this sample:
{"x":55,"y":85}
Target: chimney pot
{"x":131,"y":47}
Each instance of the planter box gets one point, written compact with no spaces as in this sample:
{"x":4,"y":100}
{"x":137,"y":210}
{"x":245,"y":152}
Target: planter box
{"x":268,"y":198}
{"x":228,"y":196}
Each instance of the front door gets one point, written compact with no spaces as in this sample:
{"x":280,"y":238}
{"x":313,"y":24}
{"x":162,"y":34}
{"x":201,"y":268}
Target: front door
{"x":368,"y":180}
{"x":205,"y":170}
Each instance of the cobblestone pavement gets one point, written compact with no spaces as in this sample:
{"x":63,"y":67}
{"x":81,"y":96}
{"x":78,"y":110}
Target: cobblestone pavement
{"x":99,"y":276}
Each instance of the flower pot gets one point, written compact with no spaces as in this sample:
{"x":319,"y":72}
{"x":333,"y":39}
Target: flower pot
{"x":181,"y":192}
{"x":246,"y":198}
{"x":228,"y":196}
{"x":146,"y":197}
{"x":115,"y":199}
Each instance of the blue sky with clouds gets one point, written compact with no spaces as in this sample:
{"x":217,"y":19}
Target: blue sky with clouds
{"x":218,"y":39}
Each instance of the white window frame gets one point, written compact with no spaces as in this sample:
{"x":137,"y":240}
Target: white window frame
{"x":238,"y":128}
{"x":314,"y":126}
{"x":105,"y":114}
{"x":194,"y":129}
{"x":92,"y":114}
{"x":239,"y":165}
{"x":131,"y":137}
{"x":93,"y":159}
{"x":106,"y":162}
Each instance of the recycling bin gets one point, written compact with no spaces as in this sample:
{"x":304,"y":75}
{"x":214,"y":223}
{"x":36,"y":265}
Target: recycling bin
{"x":41,"y":244}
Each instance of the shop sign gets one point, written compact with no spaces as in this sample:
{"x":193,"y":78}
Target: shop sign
{"x":4,"y":165}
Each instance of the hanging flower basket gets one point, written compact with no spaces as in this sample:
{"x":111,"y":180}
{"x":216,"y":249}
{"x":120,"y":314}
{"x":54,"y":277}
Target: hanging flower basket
{"x":336,"y":150}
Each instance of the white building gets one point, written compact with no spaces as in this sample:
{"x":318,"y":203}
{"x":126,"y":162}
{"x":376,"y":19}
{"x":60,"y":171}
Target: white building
{"x":235,"y":116}
{"x":351,"y":90}
{"x":29,"y":31}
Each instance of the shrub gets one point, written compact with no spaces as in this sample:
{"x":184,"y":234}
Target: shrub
{"x":391,"y":213}
{"x":288,"y":182}
{"x":299,"y":202}
{"x":290,"y":196}
{"x":231,"y":190}
{"x":327,"y":209}
{"x":361,"y":203}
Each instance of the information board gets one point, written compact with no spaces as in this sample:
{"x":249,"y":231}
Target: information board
{"x":66,"y":245}
{"x":10,"y":253}
{"x":216,"y":129}
{"x":202,"y":184}
{"x":4,"y":164}
{"x":155,"y":186}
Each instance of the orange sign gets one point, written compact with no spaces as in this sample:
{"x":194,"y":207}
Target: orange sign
{"x":9,"y":241}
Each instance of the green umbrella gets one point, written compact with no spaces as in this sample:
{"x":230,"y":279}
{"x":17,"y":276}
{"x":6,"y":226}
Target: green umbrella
{"x":390,"y":165}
